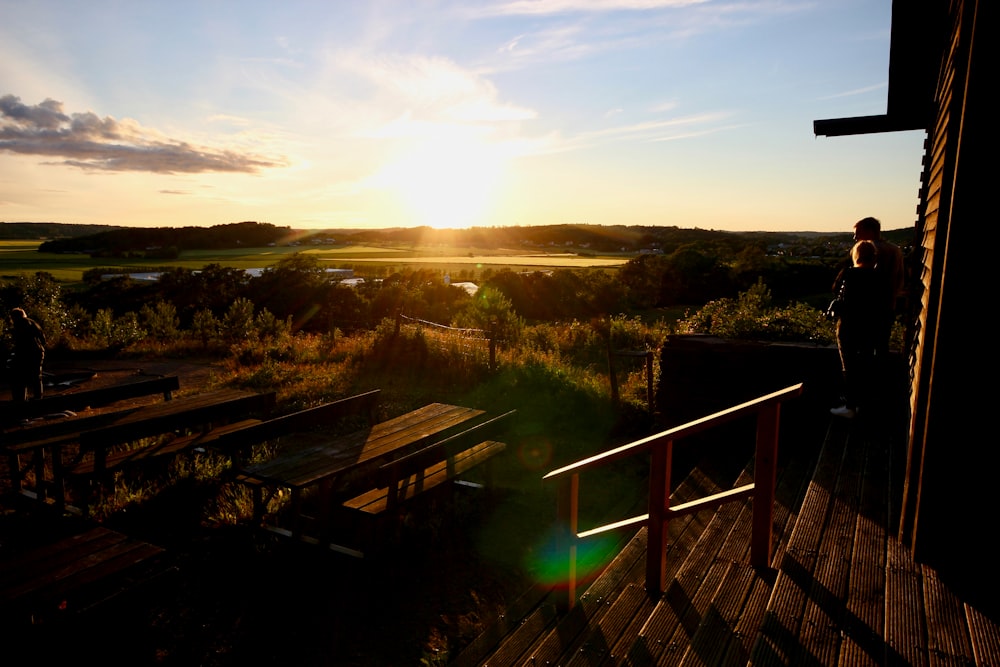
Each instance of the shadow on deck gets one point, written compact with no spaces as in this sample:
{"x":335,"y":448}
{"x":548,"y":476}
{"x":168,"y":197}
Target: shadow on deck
{"x":841,"y":589}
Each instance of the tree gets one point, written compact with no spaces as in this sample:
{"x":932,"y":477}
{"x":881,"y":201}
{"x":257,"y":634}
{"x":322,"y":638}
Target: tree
{"x":493,"y":312}
{"x":295,"y":287}
{"x":160,"y":320}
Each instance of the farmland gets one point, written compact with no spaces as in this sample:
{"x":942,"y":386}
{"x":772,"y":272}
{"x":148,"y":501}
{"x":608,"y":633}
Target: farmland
{"x":21,"y":256}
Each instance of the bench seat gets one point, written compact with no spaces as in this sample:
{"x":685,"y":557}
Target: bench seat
{"x":403,"y":480}
{"x":376,"y":501}
{"x":12,"y":413}
{"x":74,"y":574}
{"x":32,"y":428}
{"x":238,"y":442}
{"x":167,"y":447}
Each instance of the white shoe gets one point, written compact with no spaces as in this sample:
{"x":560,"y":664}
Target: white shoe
{"x":843,"y":411}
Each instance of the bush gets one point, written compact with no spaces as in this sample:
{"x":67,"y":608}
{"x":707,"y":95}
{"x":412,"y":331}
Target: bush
{"x":752,"y":316}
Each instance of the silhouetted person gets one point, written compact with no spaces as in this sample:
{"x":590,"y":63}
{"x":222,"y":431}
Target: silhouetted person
{"x":865,"y":295}
{"x":29,"y":354}
{"x":889,"y":262}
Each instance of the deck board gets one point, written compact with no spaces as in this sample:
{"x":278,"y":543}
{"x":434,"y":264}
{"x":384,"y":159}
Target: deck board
{"x":842,"y":589}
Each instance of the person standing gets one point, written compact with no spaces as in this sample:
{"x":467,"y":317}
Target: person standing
{"x":29,"y":355}
{"x":864,"y":295}
{"x":889,"y":262}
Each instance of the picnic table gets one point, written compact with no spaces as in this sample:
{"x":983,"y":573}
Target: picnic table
{"x":339,"y":465}
{"x":73,"y":574}
{"x":105,"y":443}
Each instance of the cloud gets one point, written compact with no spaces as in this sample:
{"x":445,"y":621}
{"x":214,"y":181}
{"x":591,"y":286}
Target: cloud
{"x":89,"y":142}
{"x":856,"y":91}
{"x":537,"y":7}
{"x":437,"y":88}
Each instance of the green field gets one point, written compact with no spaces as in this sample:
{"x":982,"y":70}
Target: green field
{"x":21,"y":257}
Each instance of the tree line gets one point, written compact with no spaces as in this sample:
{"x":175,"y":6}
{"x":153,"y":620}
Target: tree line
{"x":219,"y":303}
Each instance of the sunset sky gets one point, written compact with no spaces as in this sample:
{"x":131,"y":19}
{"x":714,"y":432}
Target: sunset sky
{"x":694,"y":113}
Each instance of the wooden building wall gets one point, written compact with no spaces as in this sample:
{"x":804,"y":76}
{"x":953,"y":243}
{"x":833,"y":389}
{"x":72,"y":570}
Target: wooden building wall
{"x":953,"y":456}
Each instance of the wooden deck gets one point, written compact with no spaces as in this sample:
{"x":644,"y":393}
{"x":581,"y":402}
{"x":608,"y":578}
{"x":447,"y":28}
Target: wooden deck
{"x":841,"y":591}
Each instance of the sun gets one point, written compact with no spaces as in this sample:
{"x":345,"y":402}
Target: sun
{"x":447,"y":182}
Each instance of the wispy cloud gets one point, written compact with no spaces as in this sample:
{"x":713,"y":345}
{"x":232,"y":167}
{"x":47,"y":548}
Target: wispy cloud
{"x":652,"y":130}
{"x":856,"y":91}
{"x":89,"y":142}
{"x":436,"y":86}
{"x":537,"y":7}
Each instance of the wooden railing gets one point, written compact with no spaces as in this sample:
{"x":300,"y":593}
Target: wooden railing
{"x":767,"y":410}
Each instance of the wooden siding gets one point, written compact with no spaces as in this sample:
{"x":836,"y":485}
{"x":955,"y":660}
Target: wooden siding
{"x":934,"y":218}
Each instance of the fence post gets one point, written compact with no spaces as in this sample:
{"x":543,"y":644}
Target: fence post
{"x":649,"y":382}
{"x":493,"y":345}
{"x":611,"y":373}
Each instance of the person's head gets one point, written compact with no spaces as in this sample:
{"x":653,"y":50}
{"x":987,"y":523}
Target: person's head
{"x":18,"y":314}
{"x":867,"y":229}
{"x":863,"y":254}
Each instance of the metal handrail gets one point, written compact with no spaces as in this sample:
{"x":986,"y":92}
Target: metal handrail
{"x":767,"y":409}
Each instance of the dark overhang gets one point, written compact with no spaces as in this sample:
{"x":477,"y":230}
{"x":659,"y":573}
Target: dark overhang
{"x":914,"y":53}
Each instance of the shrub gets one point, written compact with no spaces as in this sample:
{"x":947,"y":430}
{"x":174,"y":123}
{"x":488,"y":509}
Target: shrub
{"x":752,"y":316}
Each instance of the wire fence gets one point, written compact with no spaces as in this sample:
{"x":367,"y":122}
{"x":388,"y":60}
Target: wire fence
{"x":472,"y":345}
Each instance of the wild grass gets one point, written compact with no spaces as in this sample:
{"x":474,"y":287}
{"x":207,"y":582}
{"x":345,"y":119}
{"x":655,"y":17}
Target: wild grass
{"x":557,"y":381}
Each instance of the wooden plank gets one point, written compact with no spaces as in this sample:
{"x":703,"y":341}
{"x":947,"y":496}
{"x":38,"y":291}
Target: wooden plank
{"x":682,"y":538}
{"x":376,"y":502}
{"x":73,"y":573}
{"x":54,"y":555}
{"x":514,"y":648}
{"x":720,"y":548}
{"x":947,"y":633}
{"x":80,"y":400}
{"x":726,"y":636}
{"x":58,"y":430}
{"x":823,"y":613}
{"x":668,"y":629}
{"x":625,"y":572}
{"x":190,"y":411}
{"x":985,"y":636}
{"x":324,"y":415}
{"x":864,"y":623}
{"x":776,"y":642}
{"x":625,"y":613}
{"x":303,"y":467}
{"x":905,"y":630}
{"x":168,"y":446}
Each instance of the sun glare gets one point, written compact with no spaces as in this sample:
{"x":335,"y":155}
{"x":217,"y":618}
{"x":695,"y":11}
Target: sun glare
{"x":449,"y":183}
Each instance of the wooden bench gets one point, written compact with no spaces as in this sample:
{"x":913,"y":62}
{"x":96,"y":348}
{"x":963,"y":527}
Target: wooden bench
{"x":12,"y":413}
{"x":73,"y":575}
{"x":237,"y":444}
{"x":26,"y":444}
{"x":155,"y":432}
{"x":444,"y":462}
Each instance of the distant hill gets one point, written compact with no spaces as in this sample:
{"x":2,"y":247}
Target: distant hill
{"x":49,"y":230}
{"x":106,"y":240}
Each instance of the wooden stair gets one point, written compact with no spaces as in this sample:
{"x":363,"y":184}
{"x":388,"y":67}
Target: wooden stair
{"x":841,"y":590}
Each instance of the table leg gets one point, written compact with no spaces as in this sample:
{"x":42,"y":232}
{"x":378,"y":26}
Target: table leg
{"x":296,"y":505}
{"x":323,"y":518}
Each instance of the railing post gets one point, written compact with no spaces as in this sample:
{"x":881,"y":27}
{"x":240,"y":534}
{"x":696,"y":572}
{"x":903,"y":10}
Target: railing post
{"x":567,"y":508}
{"x":765,"y":473}
{"x":661,"y":459}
